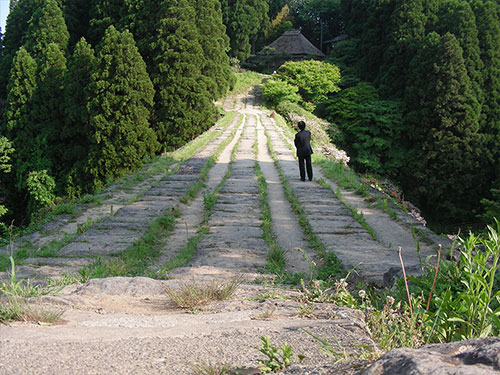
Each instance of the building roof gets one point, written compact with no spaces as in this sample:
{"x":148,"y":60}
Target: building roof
{"x":292,"y":42}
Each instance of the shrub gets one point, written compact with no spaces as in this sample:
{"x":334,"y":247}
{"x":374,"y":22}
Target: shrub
{"x":314,"y":79}
{"x":277,"y":91}
{"x":41,"y":189}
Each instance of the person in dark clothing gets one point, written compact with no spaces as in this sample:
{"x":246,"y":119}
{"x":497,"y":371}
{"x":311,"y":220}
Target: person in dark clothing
{"x":304,"y":150}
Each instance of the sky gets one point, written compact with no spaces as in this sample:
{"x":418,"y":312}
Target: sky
{"x":4,"y":10}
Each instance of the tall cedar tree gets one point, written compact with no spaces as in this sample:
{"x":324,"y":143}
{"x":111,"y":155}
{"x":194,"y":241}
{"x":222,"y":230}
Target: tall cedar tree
{"x":19,"y":126}
{"x":75,"y":134}
{"x":47,"y":109}
{"x":457,"y":17}
{"x":15,"y":29}
{"x":408,"y":23}
{"x":244,"y":20}
{"x":121,"y":97}
{"x":443,"y":122}
{"x":487,"y":16}
{"x":105,"y":13}
{"x":215,"y":43}
{"x":45,"y":27}
{"x":183,"y":108}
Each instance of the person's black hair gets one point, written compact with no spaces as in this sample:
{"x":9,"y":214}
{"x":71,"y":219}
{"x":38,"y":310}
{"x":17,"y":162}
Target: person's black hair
{"x":302,"y":125}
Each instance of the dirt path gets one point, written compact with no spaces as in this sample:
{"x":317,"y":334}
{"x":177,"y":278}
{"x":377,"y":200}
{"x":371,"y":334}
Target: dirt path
{"x":127,"y":325}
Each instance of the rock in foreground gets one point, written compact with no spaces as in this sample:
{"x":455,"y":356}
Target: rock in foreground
{"x":471,"y":357}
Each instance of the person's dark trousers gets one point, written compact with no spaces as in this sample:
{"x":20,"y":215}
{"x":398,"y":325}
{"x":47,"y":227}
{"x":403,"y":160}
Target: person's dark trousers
{"x":308,"y":166}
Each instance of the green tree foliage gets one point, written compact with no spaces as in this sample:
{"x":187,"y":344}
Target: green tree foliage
{"x":215,"y":43}
{"x":451,"y":125}
{"x":183,"y":108}
{"x":40,"y":188}
{"x":276,"y":6}
{"x":487,"y":16}
{"x":245,"y":20}
{"x":457,"y":17}
{"x":368,"y":128}
{"x":315,"y":79}
{"x":18,"y":124}
{"x":46,"y":26}
{"x":408,"y":23}
{"x":276,"y":91}
{"x":491,"y":207}
{"x":76,"y":133}
{"x":444,"y":126}
{"x":47,"y":109}
{"x":319,"y":20}
{"x":105,"y":13}
{"x":16,"y":26}
{"x":279,"y":24}
{"x":121,"y":95}
{"x":6,"y":151}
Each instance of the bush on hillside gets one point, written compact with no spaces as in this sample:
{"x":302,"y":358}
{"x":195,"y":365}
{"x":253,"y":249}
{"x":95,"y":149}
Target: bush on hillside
{"x":368,"y":128}
{"x":315,"y":80}
{"x":277,"y":91}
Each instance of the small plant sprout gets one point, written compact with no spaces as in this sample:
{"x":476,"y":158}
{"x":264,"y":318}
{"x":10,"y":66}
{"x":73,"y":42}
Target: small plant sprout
{"x":275,"y":360}
{"x":306,"y":310}
{"x":312,"y":264}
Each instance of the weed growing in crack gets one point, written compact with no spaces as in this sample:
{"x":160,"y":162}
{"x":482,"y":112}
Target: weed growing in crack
{"x":277,"y":358}
{"x":266,"y":314}
{"x":212,"y":369}
{"x":17,"y":309}
{"x":306,"y":310}
{"x":192,"y":294}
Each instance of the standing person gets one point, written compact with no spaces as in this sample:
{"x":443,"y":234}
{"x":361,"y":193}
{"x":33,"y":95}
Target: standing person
{"x":304,"y":150}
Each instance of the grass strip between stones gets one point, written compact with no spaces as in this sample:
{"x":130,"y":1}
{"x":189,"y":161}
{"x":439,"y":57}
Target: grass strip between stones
{"x":198,"y":185}
{"x":313,"y":241}
{"x":185,"y":254}
{"x":331,"y":265}
{"x":276,"y":260}
{"x":134,"y":261}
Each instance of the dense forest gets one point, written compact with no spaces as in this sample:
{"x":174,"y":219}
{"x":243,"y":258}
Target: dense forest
{"x":418,"y":100}
{"x":429,"y":116}
{"x":91,"y":89}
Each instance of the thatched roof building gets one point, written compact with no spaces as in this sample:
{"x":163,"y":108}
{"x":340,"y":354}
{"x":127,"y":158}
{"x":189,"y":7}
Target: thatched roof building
{"x":292,"y":42}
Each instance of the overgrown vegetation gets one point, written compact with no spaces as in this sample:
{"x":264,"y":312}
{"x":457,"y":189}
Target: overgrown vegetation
{"x":64,"y":84}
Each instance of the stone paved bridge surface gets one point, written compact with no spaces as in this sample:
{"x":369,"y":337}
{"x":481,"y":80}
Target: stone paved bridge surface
{"x":128,"y":325}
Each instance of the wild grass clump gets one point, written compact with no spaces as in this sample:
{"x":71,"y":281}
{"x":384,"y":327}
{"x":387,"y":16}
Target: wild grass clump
{"x":14,"y":308}
{"x":212,"y":369}
{"x":13,"y":305}
{"x":192,"y":294}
